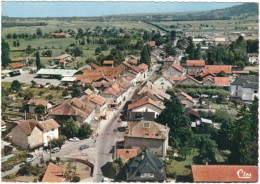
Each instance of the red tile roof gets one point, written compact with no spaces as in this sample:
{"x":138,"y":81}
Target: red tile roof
{"x":193,"y":112}
{"x":108,"y":62}
{"x":169,"y":59}
{"x":195,"y":63}
{"x":18,"y":59}
{"x":54,"y":173}
{"x":151,"y":43}
{"x":185,"y":95}
{"x":144,"y":102}
{"x":178,"y":67}
{"x":48,"y":124}
{"x":143,"y":66}
{"x":62,"y":61}
{"x":126,"y":153}
{"x":15,"y":65}
{"x":27,"y":126}
{"x":241,"y":72}
{"x":224,"y":173}
{"x":222,"y":81}
{"x":38,"y":102}
{"x":217,"y":69}
{"x":207,"y":78}
{"x":133,"y":67}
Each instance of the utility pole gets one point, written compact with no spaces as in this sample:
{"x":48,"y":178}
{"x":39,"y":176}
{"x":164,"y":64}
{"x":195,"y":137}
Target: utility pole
{"x":50,"y":146}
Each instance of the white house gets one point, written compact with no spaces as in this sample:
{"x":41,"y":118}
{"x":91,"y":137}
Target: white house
{"x":163,"y":82}
{"x":253,"y":58}
{"x":245,"y":88}
{"x":174,"y":70}
{"x":49,"y":130}
{"x":146,"y":105}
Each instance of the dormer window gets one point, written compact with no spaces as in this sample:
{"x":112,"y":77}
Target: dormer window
{"x":146,"y":125}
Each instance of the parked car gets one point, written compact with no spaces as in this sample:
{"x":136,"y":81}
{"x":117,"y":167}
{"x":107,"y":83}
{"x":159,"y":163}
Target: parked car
{"x":82,"y":147}
{"x":74,"y":139}
{"x":30,"y":159}
{"x":55,"y":150}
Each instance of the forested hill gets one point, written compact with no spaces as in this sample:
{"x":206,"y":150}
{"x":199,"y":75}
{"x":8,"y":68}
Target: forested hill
{"x":242,"y":11}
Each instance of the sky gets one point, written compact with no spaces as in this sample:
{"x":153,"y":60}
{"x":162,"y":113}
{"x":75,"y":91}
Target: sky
{"x":90,"y":9}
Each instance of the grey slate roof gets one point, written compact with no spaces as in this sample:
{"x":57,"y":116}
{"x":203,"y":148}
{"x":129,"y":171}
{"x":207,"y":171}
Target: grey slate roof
{"x":249,"y":81}
{"x":145,"y":162}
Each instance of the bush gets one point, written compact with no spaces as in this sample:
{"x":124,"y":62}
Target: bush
{"x":10,"y":176}
{"x":75,"y":179}
{"x":58,"y":142}
{"x":28,"y":169}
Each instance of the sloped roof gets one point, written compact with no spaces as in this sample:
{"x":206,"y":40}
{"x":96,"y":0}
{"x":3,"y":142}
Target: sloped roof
{"x":38,"y":102}
{"x":241,"y":72}
{"x":185,"y":95}
{"x":15,"y":65}
{"x":189,"y":77}
{"x":244,"y":80}
{"x":48,"y":124}
{"x":178,"y":67}
{"x":224,"y":173}
{"x":206,"y":79}
{"x":63,"y":56}
{"x":222,"y":81}
{"x":143,"y":66}
{"x":118,"y":87}
{"x":27,"y":126}
{"x":18,"y":59}
{"x":151,"y":43}
{"x":145,"y":162}
{"x":132,"y":67}
{"x":193,"y":112}
{"x":169,"y":59}
{"x":126,"y":153}
{"x":108,"y":62}
{"x":195,"y":63}
{"x":73,"y":107}
{"x":144,"y":102}
{"x":54,"y":173}
{"x":147,"y":129}
{"x":96,"y":99}
{"x":217,"y":69}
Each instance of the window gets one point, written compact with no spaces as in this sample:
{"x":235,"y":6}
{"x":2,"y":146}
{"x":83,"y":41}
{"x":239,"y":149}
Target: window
{"x":255,"y":91}
{"x":236,"y":87}
{"x":147,"y":175}
{"x":146,"y":125}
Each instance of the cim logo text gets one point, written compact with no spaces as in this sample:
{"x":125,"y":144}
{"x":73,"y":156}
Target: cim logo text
{"x":243,"y":174}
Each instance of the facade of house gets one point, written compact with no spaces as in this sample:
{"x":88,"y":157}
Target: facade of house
{"x":168,"y":61}
{"x":185,"y":99}
{"x":33,"y":103}
{"x":146,"y":105}
{"x":23,"y":61}
{"x":27,"y":135}
{"x":163,"y":83}
{"x":190,"y":81}
{"x":245,"y":88}
{"x":195,"y":66}
{"x":49,"y":130}
{"x":149,"y":134}
{"x":145,"y":167}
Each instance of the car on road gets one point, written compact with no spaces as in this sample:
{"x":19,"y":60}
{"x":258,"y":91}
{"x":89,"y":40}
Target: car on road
{"x":30,"y":159}
{"x":74,"y":139}
{"x":55,"y":150}
{"x":82,"y":147}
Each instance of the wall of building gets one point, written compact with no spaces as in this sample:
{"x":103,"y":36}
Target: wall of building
{"x":90,"y":117}
{"x":190,"y":81}
{"x":153,"y":145}
{"x":162,"y":84}
{"x":147,"y":108}
{"x":248,"y":94}
{"x":173,"y":72}
{"x":49,"y":135}
{"x":19,"y":138}
{"x":36,"y":137}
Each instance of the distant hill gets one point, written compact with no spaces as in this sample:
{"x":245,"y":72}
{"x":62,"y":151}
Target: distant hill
{"x":245,"y":9}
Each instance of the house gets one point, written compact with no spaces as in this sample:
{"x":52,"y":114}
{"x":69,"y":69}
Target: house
{"x":194,"y":66}
{"x":144,"y":70}
{"x":26,"y":134}
{"x":208,"y":81}
{"x":138,"y":116}
{"x":99,"y":101}
{"x":245,"y":88}
{"x":149,"y":134}
{"x":190,"y":81}
{"x":108,"y":63}
{"x":135,"y":70}
{"x":240,"y":72}
{"x":75,"y":108}
{"x":22,"y":60}
{"x":59,"y":35}
{"x":163,"y":82}
{"x":151,"y":44}
{"x":68,"y":81}
{"x":151,"y":90}
{"x":222,"y":81}
{"x":33,"y":103}
{"x":133,"y":60}
{"x":145,"y":167}
{"x":49,"y":130}
{"x":168,"y":61}
{"x":146,"y":105}
{"x":65,"y":57}
{"x":185,"y":99}
{"x":14,"y":66}
{"x":126,"y":153}
{"x":54,"y":174}
{"x":176,"y":79}
{"x":224,"y":173}
{"x":253,"y":58}
{"x":56,"y":73}
{"x":174,"y":70}
{"x":194,"y":115}
{"x":117,"y":92}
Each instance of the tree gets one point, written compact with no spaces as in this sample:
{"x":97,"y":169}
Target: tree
{"x":118,"y":165}
{"x":28,"y":49}
{"x":15,"y":86}
{"x":58,"y":142}
{"x":39,"y":109}
{"x":5,"y":58}
{"x":70,"y":129}
{"x":244,"y":141}
{"x":98,"y":51}
{"x":90,"y":60}
{"x":145,"y":55}
{"x":38,"y":32}
{"x":190,"y":50}
{"x":38,"y":60}
{"x":197,"y":54}
{"x":75,"y":92}
{"x":176,"y":117}
{"x":84,"y":131}
{"x":207,"y":150}
{"x":77,"y":51}
{"x":14,"y":43}
{"x":17,"y":43}
{"x":170,"y":50}
{"x":225,"y":135}
{"x":65,"y":92}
